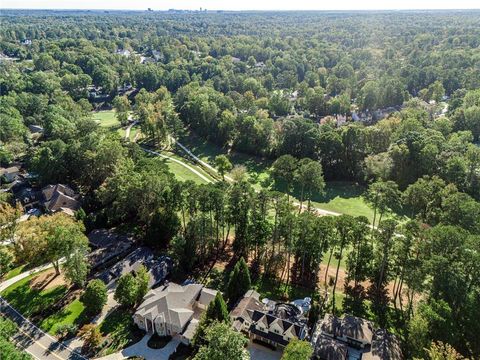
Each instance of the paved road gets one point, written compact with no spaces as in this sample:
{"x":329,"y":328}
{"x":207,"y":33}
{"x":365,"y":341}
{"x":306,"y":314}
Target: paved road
{"x":34,"y":341}
{"x":30,"y":338}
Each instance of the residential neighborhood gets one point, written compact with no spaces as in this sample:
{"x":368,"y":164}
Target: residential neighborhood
{"x":255,"y":180}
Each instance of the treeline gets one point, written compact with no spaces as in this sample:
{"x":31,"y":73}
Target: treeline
{"x":438,"y":263}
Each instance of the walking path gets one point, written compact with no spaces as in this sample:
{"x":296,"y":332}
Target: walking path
{"x":25,"y":274}
{"x":319,"y":211}
{"x":128,"y":129}
{"x":203,"y":177}
{"x":207,"y":165}
{"x":30,"y":338}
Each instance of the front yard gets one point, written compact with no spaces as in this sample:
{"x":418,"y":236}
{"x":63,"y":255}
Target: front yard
{"x":35,"y":293}
{"x":72,"y":314}
{"x":119,"y":330}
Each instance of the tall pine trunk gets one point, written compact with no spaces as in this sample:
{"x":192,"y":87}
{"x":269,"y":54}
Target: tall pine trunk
{"x":336,"y":278}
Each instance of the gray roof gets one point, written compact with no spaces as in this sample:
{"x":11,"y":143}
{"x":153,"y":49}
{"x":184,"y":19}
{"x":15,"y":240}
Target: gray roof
{"x":350,"y":326}
{"x":60,"y":198}
{"x":174,"y":302}
{"x":158,"y":269}
{"x":330,"y":349}
{"x":356,"y":328}
{"x":102,"y":238}
{"x":385,"y":346}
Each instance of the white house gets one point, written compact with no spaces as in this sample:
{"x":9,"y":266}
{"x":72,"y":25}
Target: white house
{"x":173,"y":309}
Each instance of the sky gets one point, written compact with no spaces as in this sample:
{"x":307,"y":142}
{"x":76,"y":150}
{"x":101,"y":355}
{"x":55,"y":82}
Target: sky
{"x":242,"y":4}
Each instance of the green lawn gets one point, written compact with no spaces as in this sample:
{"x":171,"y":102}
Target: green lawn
{"x":341,"y":197}
{"x":72,"y":314}
{"x":182,"y":173}
{"x":271,"y":289}
{"x":14,"y":272}
{"x":118,"y":326}
{"x":106,"y":118}
{"x":29,"y":301}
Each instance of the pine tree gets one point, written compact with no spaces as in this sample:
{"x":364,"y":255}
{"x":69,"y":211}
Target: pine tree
{"x":239,"y":282}
{"x":216,"y":311}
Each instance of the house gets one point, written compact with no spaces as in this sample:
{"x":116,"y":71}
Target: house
{"x":385,"y":346}
{"x":157,"y":268}
{"x":157,"y":55}
{"x":268,"y":322}
{"x":327,"y":348}
{"x":242,"y":314}
{"x":28,"y":196}
{"x":106,"y":246}
{"x":123,"y":52}
{"x":353,"y":338}
{"x":173,"y":310}
{"x":60,"y":197}
{"x":9,"y":175}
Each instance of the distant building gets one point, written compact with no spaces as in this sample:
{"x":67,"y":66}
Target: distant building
{"x":107,"y":246}
{"x":35,"y":129}
{"x":157,"y":55}
{"x":173,"y":310}
{"x":60,"y":197}
{"x":123,"y":52}
{"x":10,"y":174}
{"x":28,"y":197}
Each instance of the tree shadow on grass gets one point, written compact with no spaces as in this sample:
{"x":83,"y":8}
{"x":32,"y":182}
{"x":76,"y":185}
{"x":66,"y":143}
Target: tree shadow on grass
{"x":120,"y":328}
{"x":30,"y":301}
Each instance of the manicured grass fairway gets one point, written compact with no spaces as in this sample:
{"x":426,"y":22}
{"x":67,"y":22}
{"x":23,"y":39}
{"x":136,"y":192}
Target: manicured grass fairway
{"x":341,"y":197}
{"x":30,"y":301}
{"x":72,"y":314}
{"x":106,"y":118}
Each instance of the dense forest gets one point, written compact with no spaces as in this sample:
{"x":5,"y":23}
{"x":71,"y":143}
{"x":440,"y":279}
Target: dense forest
{"x":390,"y":100}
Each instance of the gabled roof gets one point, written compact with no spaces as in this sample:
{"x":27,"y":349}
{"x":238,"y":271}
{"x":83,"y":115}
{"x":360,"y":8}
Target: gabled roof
{"x":385,"y":346}
{"x":174,"y":302}
{"x":9,"y":170}
{"x":49,"y":190}
{"x":356,"y":328}
{"x":330,"y":325}
{"x":330,"y":349}
{"x":206,"y":296}
{"x":60,"y":198}
{"x":247,"y":305}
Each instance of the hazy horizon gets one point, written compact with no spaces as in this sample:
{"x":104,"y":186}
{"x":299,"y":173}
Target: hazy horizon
{"x":246,"y":5}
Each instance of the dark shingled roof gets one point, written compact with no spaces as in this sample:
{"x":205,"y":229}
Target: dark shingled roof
{"x":158,"y":269}
{"x":356,"y":328}
{"x":385,"y":346}
{"x":330,"y":349}
{"x":247,"y":305}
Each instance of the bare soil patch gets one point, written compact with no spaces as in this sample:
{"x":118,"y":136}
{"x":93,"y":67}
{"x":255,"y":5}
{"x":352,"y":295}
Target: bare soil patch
{"x":48,"y":280}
